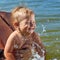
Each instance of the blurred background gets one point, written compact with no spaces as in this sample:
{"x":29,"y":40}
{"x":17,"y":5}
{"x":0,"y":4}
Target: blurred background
{"x":47,"y":14}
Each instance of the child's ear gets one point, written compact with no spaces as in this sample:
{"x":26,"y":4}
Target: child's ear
{"x":16,"y":24}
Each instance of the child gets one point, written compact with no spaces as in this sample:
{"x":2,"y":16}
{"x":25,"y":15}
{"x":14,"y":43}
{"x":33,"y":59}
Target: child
{"x":24,"y":43}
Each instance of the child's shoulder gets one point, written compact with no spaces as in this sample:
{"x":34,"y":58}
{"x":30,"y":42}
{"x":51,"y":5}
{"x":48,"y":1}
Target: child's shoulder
{"x":13,"y":35}
{"x":35,"y":34}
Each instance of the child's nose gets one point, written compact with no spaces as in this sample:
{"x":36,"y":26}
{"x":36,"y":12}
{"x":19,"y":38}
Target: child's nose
{"x":32,"y":25}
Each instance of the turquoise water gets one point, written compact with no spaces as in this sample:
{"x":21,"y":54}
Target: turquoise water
{"x":47,"y":20}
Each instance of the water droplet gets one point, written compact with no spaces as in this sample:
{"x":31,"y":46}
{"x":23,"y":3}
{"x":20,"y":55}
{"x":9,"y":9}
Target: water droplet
{"x":57,"y":50}
{"x":44,"y":30}
{"x":47,"y":20}
{"x":39,"y":34}
{"x":56,"y":38}
{"x":55,"y":59}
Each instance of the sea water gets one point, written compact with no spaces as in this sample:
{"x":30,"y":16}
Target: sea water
{"x":47,"y":13}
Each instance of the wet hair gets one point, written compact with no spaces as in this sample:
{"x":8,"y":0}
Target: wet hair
{"x":19,"y":13}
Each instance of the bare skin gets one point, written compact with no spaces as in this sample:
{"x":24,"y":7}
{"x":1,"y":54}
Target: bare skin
{"x":21,"y":40}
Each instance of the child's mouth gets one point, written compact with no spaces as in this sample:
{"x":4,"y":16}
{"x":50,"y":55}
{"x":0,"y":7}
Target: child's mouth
{"x":30,"y":30}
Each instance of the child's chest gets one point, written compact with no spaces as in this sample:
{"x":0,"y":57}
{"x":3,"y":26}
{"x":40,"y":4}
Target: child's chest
{"x":22,"y":43}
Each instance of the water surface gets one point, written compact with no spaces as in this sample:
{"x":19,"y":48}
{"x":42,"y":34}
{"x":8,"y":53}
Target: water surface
{"x":47,"y":19}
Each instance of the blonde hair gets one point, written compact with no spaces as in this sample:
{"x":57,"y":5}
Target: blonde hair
{"x":19,"y":13}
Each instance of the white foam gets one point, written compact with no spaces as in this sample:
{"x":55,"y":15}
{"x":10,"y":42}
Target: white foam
{"x":55,"y":59}
{"x":35,"y":54}
{"x":38,"y":57}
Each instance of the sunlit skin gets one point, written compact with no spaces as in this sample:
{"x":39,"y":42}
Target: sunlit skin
{"x":23,"y":30}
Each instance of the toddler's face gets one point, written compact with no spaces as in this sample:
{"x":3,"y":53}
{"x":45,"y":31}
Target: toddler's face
{"x":28,"y":25}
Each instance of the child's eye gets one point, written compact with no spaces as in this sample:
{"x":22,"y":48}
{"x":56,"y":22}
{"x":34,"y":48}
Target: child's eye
{"x":33,"y":22}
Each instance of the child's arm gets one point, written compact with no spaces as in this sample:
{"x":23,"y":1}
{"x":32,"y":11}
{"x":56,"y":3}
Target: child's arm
{"x":9,"y":48}
{"x":39,"y":44}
